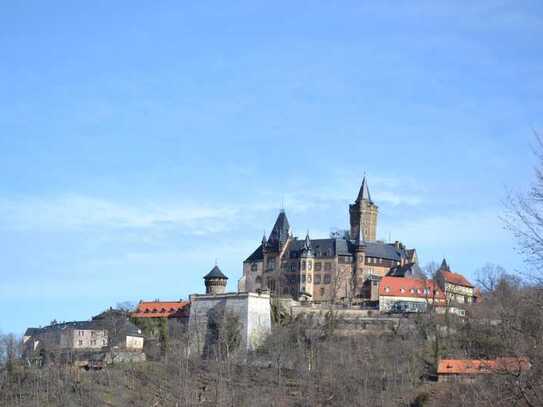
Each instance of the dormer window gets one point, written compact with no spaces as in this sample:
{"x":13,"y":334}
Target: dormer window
{"x":387,"y":289}
{"x":402,"y":290}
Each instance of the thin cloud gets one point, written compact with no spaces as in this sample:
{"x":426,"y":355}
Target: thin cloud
{"x":73,"y":212}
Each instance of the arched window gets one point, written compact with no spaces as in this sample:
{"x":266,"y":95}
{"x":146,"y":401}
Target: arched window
{"x":285,"y":290}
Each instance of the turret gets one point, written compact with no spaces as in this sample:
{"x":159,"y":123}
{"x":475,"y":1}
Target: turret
{"x":307,"y":250}
{"x":215,"y":281}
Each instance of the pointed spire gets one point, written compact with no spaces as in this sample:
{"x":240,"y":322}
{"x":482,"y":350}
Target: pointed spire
{"x":307,"y":243}
{"x":281,"y":229}
{"x":444,"y":265}
{"x":264,"y":239}
{"x":364,"y":193}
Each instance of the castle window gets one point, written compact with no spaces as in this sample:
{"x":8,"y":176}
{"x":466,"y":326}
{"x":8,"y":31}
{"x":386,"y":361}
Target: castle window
{"x":309,"y":278}
{"x":303,"y":265}
{"x":254,"y":267}
{"x":80,"y":342}
{"x":317,"y":278}
{"x":303,"y":278}
{"x":309,"y":265}
{"x":258,"y":280}
{"x":327,"y":266}
{"x":327,"y":278}
{"x":322,"y":291}
{"x":318,"y":266}
{"x":93,"y":342}
{"x":292,"y":266}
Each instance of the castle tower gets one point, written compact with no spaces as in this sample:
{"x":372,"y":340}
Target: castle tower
{"x":215,"y":281}
{"x":363,"y":214}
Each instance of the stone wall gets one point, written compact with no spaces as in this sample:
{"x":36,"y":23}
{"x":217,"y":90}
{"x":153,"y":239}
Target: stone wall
{"x":209,"y":313}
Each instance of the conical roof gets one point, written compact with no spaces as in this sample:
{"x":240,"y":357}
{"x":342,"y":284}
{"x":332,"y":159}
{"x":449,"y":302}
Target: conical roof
{"x":215,"y":273}
{"x":364,"y":193}
{"x":444,"y":265}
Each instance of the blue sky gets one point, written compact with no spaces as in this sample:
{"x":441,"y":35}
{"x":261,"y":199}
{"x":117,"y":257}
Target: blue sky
{"x":140,"y":142}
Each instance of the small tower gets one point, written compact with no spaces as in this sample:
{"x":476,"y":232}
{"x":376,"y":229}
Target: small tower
{"x":444,"y":266}
{"x":215,"y":281}
{"x":363,"y":214}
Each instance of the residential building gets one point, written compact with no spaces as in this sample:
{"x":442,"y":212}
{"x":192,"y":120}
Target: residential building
{"x":400,"y":289}
{"x":74,"y":336}
{"x":456,"y":286}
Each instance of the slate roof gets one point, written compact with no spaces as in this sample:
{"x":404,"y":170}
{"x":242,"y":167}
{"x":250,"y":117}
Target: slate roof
{"x":256,"y":255}
{"x":280,"y":231}
{"x":384,"y":250}
{"x":409,"y":270}
{"x":336,"y":247}
{"x":83,"y":325}
{"x":117,"y":321}
{"x":215,"y":273}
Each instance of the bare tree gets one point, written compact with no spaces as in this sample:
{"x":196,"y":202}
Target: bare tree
{"x":524,"y":215}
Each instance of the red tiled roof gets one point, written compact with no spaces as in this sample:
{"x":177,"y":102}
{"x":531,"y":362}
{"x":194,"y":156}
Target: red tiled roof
{"x":477,"y":366}
{"x":408,"y":287}
{"x":455,"y":278}
{"x":162,"y":309}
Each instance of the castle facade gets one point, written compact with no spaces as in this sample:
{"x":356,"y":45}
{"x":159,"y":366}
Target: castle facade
{"x":337,"y":269}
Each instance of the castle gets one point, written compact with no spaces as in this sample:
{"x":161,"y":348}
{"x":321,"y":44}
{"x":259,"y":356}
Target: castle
{"x":344,"y":268}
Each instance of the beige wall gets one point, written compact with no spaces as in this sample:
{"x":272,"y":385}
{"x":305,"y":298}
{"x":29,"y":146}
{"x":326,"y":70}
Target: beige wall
{"x":134,"y":343}
{"x":84,"y":339}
